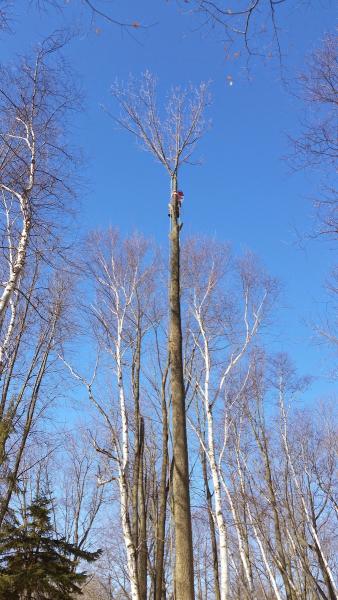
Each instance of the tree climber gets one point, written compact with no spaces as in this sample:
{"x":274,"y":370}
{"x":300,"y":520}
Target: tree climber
{"x":177,"y":199}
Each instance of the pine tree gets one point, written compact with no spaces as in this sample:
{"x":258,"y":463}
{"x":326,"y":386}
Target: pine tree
{"x":35,"y":563}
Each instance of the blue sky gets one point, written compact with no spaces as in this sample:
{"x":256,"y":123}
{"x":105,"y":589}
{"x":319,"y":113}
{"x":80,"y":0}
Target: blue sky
{"x":243,"y":192}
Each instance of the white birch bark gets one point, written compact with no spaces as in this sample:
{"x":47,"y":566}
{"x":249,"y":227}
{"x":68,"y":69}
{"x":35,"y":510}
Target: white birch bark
{"x":301,"y":494}
{"x":122,"y":451}
{"x":12,"y":302}
{"x":219,"y":517}
{"x":215,"y":467}
{"x":264,"y":557}
{"x":122,"y":298}
{"x":123,"y":467}
{"x":16,"y":268}
{"x":256,"y":534}
{"x":239,"y":538}
{"x":130,"y":548}
{"x":17,"y":263}
{"x":8,"y":335}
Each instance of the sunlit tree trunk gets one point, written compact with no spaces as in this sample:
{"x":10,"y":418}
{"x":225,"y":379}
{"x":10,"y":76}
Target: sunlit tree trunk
{"x":211,"y":527}
{"x":162,"y":500}
{"x":184,"y":572}
{"x":139,"y":517}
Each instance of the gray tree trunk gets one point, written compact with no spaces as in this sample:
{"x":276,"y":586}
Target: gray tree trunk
{"x":160,"y":592}
{"x":211,"y":527}
{"x":184,"y":569}
{"x":139,"y":516}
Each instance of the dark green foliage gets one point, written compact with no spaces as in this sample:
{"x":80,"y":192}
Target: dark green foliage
{"x":36,"y":564}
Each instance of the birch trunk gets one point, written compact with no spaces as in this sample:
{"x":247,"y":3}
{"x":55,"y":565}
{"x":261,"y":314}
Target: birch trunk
{"x":221,"y":526}
{"x":210,"y":452}
{"x":283,"y":564}
{"x":242,"y":553}
{"x":324,"y":565}
{"x":16,"y":269}
{"x":211,"y":527}
{"x":126,"y":528}
{"x":123,"y":482}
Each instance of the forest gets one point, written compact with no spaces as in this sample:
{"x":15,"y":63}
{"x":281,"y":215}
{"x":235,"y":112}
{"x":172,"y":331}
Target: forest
{"x":168,"y":300}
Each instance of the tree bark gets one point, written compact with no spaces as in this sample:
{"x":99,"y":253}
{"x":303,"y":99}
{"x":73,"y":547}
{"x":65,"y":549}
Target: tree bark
{"x":184,"y":570}
{"x":142,"y":536}
{"x":139,"y":516}
{"x":123,"y":480}
{"x":211,"y":527}
{"x":162,"y":501}
{"x":17,"y":268}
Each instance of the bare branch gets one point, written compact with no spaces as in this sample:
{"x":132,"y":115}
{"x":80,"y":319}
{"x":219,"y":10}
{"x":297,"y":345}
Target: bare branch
{"x":170,"y":138}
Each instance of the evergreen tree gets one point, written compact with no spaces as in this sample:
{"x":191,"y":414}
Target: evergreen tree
{"x":35,"y":563}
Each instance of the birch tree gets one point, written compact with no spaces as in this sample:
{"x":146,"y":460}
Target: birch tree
{"x":218,"y":325}
{"x":35,"y":166}
{"x":121,"y":277}
{"x":24,"y":386}
{"x":274,"y":502}
{"x":35,"y":185}
{"x":303,"y":487}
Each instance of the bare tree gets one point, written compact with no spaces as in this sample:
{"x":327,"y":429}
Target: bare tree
{"x":316,"y":147}
{"x":318,"y":87}
{"x":171,"y":141}
{"x":80,"y":499}
{"x":24,"y":385}
{"x":121,"y":276}
{"x":267,"y":471}
{"x":35,"y":166}
{"x":311,"y":508}
{"x":218,"y":326}
{"x":274,"y":486}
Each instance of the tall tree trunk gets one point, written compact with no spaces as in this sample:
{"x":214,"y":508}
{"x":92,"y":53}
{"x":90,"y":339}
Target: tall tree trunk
{"x":123,"y":479}
{"x":128,"y":537}
{"x":211,"y":527}
{"x":142,"y":534}
{"x":216,"y":479}
{"x":137,"y":458}
{"x":184,"y":569}
{"x":18,"y":263}
{"x":162,"y":501}
{"x":138,"y":502}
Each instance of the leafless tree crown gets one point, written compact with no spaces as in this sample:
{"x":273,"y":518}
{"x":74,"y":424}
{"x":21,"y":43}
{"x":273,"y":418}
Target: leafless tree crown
{"x":170,"y":135}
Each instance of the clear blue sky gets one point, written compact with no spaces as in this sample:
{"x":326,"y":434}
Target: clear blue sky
{"x":243,"y":192}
